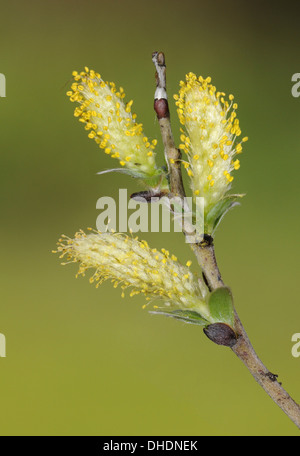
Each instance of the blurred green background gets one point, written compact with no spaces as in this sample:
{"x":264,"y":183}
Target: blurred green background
{"x":79,"y":359}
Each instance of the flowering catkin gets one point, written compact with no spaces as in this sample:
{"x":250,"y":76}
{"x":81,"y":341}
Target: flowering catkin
{"x":111,"y":123}
{"x":210,"y":139}
{"x":132,"y":263}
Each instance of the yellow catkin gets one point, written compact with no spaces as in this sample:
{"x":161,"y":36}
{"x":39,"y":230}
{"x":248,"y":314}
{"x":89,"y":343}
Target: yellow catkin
{"x":101,"y":108}
{"x":132,"y":263}
{"x":210,"y":137}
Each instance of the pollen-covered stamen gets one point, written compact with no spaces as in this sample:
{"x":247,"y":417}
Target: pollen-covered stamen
{"x":132,"y":263}
{"x":210,"y":138}
{"x":110,"y":122}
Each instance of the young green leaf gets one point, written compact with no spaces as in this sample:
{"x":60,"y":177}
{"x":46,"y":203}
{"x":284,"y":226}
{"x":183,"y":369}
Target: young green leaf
{"x":184,"y":315}
{"x":219,"y":210}
{"x":221,"y":306}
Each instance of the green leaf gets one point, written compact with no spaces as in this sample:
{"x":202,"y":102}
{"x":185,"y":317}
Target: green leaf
{"x":217,"y":212}
{"x":221,"y":306}
{"x":187,"y":316}
{"x":152,"y":181}
{"x":130,"y":172}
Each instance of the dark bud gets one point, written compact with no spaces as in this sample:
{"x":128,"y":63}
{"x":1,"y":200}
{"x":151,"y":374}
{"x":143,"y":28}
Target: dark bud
{"x":207,"y":241}
{"x":161,"y":107}
{"x":148,"y":196}
{"x":272,"y":377}
{"x":221,"y":334}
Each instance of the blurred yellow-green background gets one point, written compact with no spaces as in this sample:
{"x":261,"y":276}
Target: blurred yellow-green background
{"x":79,"y":359}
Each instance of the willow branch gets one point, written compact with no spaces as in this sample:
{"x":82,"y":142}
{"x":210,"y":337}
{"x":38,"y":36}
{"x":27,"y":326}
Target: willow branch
{"x":205,"y":254}
{"x":204,"y":250}
{"x":161,"y":107}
